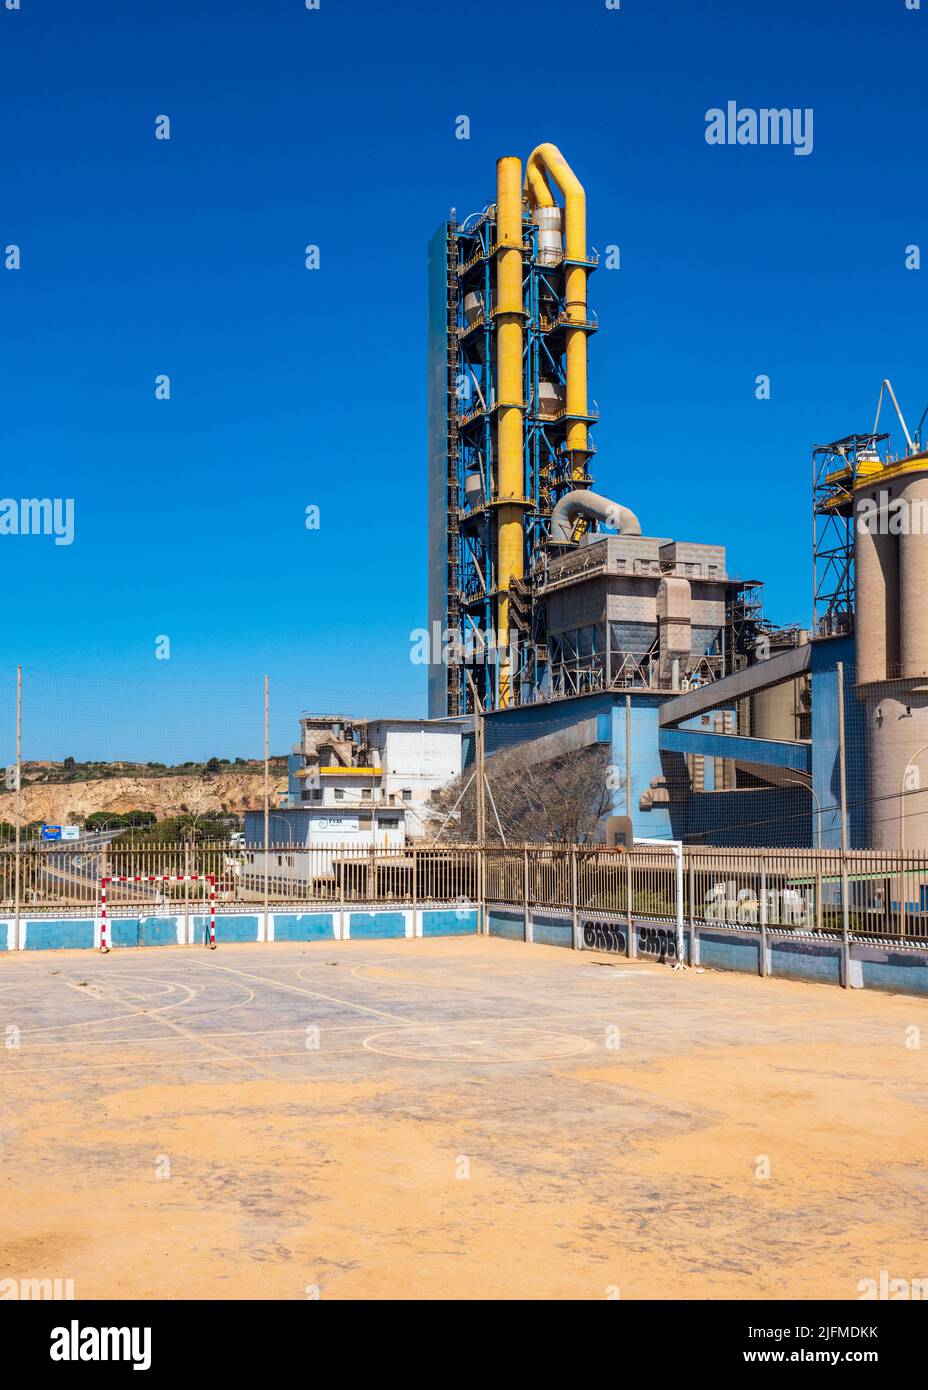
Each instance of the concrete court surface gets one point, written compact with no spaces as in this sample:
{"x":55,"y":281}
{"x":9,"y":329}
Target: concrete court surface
{"x":469,"y":1118}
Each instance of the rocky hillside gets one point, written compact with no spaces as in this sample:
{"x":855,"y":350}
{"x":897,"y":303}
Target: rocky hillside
{"x":230,"y":790}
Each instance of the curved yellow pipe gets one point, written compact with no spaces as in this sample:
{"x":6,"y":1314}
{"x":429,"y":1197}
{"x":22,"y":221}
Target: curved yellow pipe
{"x":510,"y":537}
{"x":547,"y":160}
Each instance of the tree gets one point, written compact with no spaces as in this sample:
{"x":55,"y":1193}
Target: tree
{"x":559,"y":800}
{"x":104,"y":820}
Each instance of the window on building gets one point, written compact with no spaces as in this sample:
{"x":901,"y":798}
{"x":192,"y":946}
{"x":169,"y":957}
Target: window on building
{"x":365,"y":793}
{"x":406,"y":793}
{"x":339,"y":793}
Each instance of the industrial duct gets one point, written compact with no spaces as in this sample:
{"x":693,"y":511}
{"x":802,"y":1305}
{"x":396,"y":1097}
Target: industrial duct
{"x":595,"y":508}
{"x":547,"y":160}
{"x":510,"y":485}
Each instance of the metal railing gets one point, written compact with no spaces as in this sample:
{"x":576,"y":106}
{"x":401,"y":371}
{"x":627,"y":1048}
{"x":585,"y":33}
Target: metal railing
{"x":865,"y":894}
{"x":66,"y":877}
{"x":873,"y":893}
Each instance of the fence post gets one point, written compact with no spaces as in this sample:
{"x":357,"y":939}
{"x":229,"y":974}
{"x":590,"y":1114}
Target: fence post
{"x":187,"y":893}
{"x":103,"y":871}
{"x":341,"y":896}
{"x":574,"y":900}
{"x":483,"y":928}
{"x":415,"y":895}
{"x":694,"y":930}
{"x":763,"y":915}
{"x":17,"y":867}
{"x":526,"y":916}
{"x":267,"y":804}
{"x":631,"y":936}
{"x":845,"y":926}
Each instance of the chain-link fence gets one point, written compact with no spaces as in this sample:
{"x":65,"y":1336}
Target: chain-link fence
{"x":860,"y":893}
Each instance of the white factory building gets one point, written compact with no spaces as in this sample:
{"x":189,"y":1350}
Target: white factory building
{"x":363,"y":783}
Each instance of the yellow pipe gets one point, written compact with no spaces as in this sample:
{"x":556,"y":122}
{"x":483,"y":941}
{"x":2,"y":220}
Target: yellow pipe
{"x":548,"y":160}
{"x":510,"y":534}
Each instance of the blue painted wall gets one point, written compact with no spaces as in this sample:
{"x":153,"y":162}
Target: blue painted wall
{"x":304,"y":926}
{"x":552,"y":931}
{"x":901,"y":972}
{"x":42,"y":934}
{"x":69,"y":932}
{"x":376,"y":924}
{"x":729,"y":952}
{"x":507,"y":924}
{"x":449,"y":923}
{"x":806,"y":960}
{"x":227,"y":929}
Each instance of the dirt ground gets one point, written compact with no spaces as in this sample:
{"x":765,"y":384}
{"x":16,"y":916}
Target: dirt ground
{"x":453,"y":1119}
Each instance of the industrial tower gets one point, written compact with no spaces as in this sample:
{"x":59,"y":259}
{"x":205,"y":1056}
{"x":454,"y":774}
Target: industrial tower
{"x":871,"y":578}
{"x":509,"y":422}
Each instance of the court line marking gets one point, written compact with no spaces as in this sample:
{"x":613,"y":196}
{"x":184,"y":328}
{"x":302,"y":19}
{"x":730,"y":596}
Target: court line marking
{"x":334,"y":1076}
{"x":498,"y":1056}
{"x":473,"y":987}
{"x":143,"y":1013}
{"x":345,"y":1003}
{"x":201,"y":1039}
{"x":244,"y":1033}
{"x":311,"y":993}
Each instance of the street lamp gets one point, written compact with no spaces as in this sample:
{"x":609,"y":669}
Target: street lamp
{"x":287,"y":824}
{"x":791,"y":782}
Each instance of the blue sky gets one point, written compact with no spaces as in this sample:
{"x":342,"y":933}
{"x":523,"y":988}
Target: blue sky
{"x":289,"y":388}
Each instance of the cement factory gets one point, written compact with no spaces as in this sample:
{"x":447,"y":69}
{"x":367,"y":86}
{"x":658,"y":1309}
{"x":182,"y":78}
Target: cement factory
{"x":560,"y":625}
{"x":574,"y":627}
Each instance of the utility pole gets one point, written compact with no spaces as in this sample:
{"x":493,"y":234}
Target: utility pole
{"x":267,"y":856}
{"x":19,"y":807}
{"x":628,"y":755}
{"x":481,"y":764}
{"x":845,"y":887}
{"x":842,"y":758}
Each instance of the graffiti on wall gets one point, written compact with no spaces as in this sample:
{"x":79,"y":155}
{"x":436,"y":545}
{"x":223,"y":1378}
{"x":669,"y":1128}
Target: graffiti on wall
{"x":657,"y":941}
{"x":604,"y":936}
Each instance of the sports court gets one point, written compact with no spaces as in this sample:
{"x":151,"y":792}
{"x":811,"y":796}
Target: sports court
{"x":453,"y":1118}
